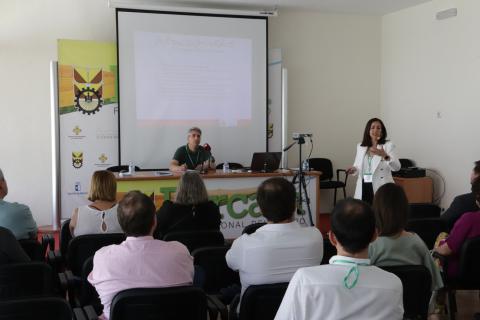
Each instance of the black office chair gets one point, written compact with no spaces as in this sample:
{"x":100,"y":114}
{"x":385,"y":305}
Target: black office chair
{"x":424,"y":210}
{"x":51,"y":308}
{"x":216,"y":273}
{"x":427,"y":229}
{"x":406,"y":163}
{"x":197,"y":239}
{"x":468,"y":277}
{"x":34,"y":249}
{"x":417,"y":289}
{"x":231,"y":165}
{"x":325,"y":166}
{"x":121,"y":168}
{"x":22,"y":280}
{"x":261,"y":302}
{"x":251,"y":228}
{"x":83,"y":247}
{"x":185,"y":302}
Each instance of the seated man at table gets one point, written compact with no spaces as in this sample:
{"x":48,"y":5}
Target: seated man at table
{"x":15,"y":216}
{"x":140,"y":261}
{"x":276,"y":250}
{"x":349,"y":287}
{"x":192,"y":156}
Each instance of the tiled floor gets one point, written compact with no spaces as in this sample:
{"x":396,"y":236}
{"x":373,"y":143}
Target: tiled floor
{"x":468,"y":303}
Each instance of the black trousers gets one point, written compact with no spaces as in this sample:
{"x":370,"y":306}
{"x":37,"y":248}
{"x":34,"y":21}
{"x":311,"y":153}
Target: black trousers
{"x":367,"y":192}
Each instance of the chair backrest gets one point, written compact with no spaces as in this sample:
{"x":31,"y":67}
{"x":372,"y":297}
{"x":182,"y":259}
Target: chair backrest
{"x":29,"y":279}
{"x":427,"y":229}
{"x":417,"y":284}
{"x":251,"y":228}
{"x":51,"y":308}
{"x":261,"y":302}
{"x":85,"y":246}
{"x":231,"y":165}
{"x":87,"y":293}
{"x":196,"y":239}
{"x":121,"y":168}
{"x":33,"y":249}
{"x":185,"y":302}
{"x":424,"y":210}
{"x":322,"y":164}
{"x":406,"y":163}
{"x":217,"y":274}
{"x":65,"y":237}
{"x":468,"y":275}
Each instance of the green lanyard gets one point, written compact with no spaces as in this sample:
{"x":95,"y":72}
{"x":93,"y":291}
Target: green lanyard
{"x":353,"y":271}
{"x":369,"y":160}
{"x":191,"y":161}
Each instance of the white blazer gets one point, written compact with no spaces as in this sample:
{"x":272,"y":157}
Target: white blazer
{"x":381,"y":169}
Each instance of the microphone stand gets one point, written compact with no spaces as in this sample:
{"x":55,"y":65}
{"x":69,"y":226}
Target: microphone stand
{"x":302,"y":185}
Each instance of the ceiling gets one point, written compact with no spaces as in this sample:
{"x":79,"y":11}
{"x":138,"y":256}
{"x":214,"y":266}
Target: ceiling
{"x":364,"y":7}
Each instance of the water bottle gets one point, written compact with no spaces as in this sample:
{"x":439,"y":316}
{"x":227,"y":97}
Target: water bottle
{"x":226,"y":167}
{"x":131,"y":169}
{"x":305,"y":165}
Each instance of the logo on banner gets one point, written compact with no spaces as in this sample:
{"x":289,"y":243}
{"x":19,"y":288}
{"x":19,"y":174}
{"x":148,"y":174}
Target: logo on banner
{"x":104,"y":163}
{"x":78,"y":186}
{"x":77,"y":159}
{"x":103,"y":158}
{"x":77,"y":189}
{"x":76,"y":133}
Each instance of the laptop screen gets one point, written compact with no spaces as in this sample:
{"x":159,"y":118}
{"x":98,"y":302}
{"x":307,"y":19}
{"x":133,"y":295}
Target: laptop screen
{"x":265,"y":161}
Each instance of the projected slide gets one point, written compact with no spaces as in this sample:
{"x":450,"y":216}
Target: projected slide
{"x":181,"y":78}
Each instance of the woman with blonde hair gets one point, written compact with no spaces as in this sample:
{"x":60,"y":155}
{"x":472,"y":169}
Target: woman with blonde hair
{"x":100,"y":216}
{"x":191,"y":210}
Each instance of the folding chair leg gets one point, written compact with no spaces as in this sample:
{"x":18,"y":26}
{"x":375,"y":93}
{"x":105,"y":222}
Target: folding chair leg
{"x":344,"y":193}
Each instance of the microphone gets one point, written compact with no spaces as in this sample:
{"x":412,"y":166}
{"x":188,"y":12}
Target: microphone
{"x":207,"y":148}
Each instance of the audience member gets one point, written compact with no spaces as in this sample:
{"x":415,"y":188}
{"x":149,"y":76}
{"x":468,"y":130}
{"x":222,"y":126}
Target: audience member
{"x":395,"y":246}
{"x":15,"y":216}
{"x":140,"y":261}
{"x":191,"y":210}
{"x":10,"y":249}
{"x":349,"y":287}
{"x":466,"y":227}
{"x":101,"y":215}
{"x":462,"y":203}
{"x":276,"y":250}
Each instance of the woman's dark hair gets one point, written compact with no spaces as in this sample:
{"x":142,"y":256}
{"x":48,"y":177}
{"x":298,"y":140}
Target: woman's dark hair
{"x":353,"y":224}
{"x":476,"y":188}
{"x":476,"y":167}
{"x":367,"y":141}
{"x":390,"y":205}
{"x":276,"y":198}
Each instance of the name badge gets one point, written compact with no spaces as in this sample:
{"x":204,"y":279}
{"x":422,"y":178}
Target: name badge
{"x":368,"y":178}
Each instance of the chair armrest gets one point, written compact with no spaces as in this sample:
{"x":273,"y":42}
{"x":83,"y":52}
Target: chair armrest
{"x":55,"y":260}
{"x":214,"y":305}
{"x":344,"y":172}
{"x":85,"y":313}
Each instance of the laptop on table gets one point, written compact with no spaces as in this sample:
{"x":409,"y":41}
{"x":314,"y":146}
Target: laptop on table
{"x":265,"y":161}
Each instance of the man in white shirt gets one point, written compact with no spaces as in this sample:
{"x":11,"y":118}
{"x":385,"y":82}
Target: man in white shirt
{"x":276,"y":250}
{"x":349,"y":287}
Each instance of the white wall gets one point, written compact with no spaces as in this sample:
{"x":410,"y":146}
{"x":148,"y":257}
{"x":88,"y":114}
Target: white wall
{"x":334,"y":75}
{"x":431,"y":88}
{"x":333,"y":64}
{"x":29,"y":30}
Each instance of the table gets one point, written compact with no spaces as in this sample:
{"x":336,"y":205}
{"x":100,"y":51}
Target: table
{"x":234,"y":193}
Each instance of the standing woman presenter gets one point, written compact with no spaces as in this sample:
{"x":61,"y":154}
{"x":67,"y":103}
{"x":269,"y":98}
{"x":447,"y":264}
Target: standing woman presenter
{"x":374,"y":162}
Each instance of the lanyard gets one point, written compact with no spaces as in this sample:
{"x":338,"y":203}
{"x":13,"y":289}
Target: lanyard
{"x":369,"y":160}
{"x":352,"y":271}
{"x":188,"y":154}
